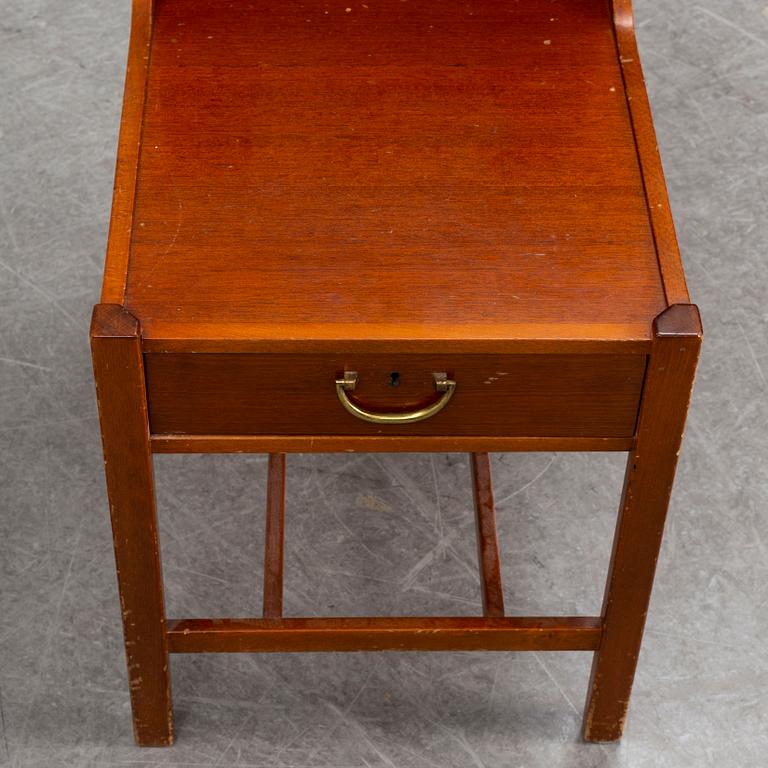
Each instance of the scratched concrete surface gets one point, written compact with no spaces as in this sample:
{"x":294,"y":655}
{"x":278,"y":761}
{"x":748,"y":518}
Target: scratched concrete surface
{"x":388,"y":534}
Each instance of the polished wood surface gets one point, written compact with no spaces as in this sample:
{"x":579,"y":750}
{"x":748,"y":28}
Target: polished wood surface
{"x":467,"y":172}
{"x":526,"y":395}
{"x":400,"y":187}
{"x":647,"y":488}
{"x":121,"y":396}
{"x":463,"y":633}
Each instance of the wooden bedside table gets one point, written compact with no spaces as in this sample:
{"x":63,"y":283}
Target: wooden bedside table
{"x":390,"y":226}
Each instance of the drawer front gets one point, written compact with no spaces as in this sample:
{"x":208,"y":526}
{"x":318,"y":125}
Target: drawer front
{"x":495,"y":395}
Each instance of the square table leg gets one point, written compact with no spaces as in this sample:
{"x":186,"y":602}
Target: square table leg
{"x":488,"y":557}
{"x":647,"y":488}
{"x":121,"y":392}
{"x":274,"y":537}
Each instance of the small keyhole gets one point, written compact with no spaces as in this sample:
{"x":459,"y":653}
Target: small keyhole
{"x":394,"y":379}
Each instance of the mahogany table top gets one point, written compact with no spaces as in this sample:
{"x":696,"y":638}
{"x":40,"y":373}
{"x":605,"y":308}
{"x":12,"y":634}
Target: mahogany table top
{"x":438,"y":173}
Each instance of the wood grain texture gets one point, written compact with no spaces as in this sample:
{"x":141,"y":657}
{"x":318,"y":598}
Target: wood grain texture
{"x":126,"y":171}
{"x":525,"y":395}
{"x":647,"y":488}
{"x":414,"y":187}
{"x":274,"y":537}
{"x":488,"y":556}
{"x":350,"y":444}
{"x":657,"y":199}
{"x":384,"y":634}
{"x":120,"y":389}
{"x":467,"y":172}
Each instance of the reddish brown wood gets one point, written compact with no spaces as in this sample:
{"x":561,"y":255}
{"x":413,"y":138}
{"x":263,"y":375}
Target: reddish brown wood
{"x":433,"y":172}
{"x":412,"y":337}
{"x":275,"y":532}
{"x":412,"y":187}
{"x":657,"y":200}
{"x":648,"y":484}
{"x":384,"y":634}
{"x":516,"y":395}
{"x":126,"y":172}
{"x":120,"y":390}
{"x":487,"y":542}
{"x":315,"y":444}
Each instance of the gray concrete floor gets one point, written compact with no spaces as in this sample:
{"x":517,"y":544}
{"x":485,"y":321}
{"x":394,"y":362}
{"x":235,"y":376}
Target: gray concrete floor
{"x":373,"y":534}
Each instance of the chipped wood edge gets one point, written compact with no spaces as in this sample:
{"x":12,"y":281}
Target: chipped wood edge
{"x":118,"y":367}
{"x":648,"y":483}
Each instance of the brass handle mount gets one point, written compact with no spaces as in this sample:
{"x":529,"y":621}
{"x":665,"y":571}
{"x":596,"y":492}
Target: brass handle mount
{"x":348,"y":383}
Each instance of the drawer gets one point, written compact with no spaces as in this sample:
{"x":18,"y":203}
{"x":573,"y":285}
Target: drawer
{"x":494,"y":395}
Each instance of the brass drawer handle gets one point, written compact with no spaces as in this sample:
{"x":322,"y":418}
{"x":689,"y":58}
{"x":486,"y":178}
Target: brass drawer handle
{"x":349,"y":382}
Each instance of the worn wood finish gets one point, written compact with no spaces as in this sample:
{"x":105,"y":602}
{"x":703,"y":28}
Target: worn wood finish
{"x":274,"y":536}
{"x":488,"y":556}
{"x":411,"y":187}
{"x":440,"y":444}
{"x":385,"y":634}
{"x":518,"y":395}
{"x":119,"y":375}
{"x":648,"y":484}
{"x":279,"y":196}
